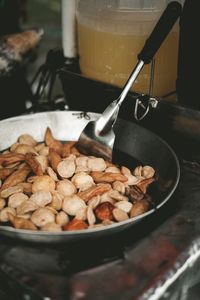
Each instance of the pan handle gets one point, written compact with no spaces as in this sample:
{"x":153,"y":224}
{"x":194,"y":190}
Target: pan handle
{"x":160,"y":31}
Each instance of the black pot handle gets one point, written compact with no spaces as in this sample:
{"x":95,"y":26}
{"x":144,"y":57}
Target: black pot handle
{"x":160,"y":31}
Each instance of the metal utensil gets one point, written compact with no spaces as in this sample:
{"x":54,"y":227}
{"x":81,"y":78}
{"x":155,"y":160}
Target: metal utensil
{"x":98,"y":136}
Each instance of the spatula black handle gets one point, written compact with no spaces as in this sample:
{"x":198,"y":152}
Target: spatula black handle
{"x":160,"y":31}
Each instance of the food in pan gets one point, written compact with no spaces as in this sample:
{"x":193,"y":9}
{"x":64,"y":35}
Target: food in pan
{"x":51,"y":186}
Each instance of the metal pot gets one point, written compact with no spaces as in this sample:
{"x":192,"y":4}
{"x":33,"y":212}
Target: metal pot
{"x":134,"y":145}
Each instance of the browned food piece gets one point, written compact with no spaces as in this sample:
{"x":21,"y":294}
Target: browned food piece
{"x":26,"y":187}
{"x":75,"y":151}
{"x":23,"y":149}
{"x":143,"y":185}
{"x":54,"y":159}
{"x":34,"y":164}
{"x":75,"y":225}
{"x":52,"y":142}
{"x":16,"y":177}
{"x":5,"y":172}
{"x":107,"y":177}
{"x":134,"y":193}
{"x":21,"y":223}
{"x":10,"y":158}
{"x":94,"y":191}
{"x":139,"y":208}
{"x":66,"y":148}
{"x":103,"y":211}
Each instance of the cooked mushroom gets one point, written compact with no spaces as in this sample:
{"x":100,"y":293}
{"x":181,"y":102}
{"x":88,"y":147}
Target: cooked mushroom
{"x":96,"y":164}
{"x":27,"y":139}
{"x":41,"y":198}
{"x":42,"y":216}
{"x":2,"y":203}
{"x":72,"y":204}
{"x":82,"y":181}
{"x":62,"y":218}
{"x":53,"y":227}
{"x":66,"y":188}
{"x":4,"y":213}
{"x":43,"y":183}
{"x":17,"y":199}
{"x":26,"y":207}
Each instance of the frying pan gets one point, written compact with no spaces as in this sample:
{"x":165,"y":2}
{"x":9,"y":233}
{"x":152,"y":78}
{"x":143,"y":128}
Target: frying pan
{"x":134,"y":145}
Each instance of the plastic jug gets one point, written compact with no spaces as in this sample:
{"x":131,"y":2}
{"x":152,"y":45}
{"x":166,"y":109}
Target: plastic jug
{"x":110,"y":35}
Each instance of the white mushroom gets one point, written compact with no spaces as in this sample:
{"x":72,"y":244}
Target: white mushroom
{"x":132,"y":180}
{"x":106,"y":198}
{"x":71,"y":205}
{"x":23,"y":149}
{"x":81,"y":214}
{"x":52,"y":174}
{"x":4,"y":213}
{"x":11,"y":190}
{"x":120,"y":215}
{"x":117,"y":196}
{"x":27,"y":139}
{"x":41,"y":198}
{"x":44,"y":151}
{"x":17,"y":199}
{"x":148,"y":172}
{"x":57,"y":200}
{"x":26,"y":207}
{"x":90,"y":216}
{"x":96,"y":164}
{"x":43,"y":183}
{"x":119,"y":186}
{"x":2,"y":203}
{"x":43,"y":161}
{"x":112,"y":170}
{"x":42,"y":216}
{"x":82,"y":181}
{"x":26,"y":186}
{"x":62,"y":218}
{"x":51,"y":227}
{"x":66,"y":188}
{"x":81,"y":164}
{"x":124,"y":205}
{"x":66,"y":168}
{"x":39,"y":146}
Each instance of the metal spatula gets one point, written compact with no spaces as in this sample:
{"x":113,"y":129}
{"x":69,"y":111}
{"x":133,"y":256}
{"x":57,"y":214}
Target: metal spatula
{"x":97,"y":138}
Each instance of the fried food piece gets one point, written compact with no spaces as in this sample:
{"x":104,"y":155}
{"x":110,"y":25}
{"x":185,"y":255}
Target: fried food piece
{"x":53,"y":227}
{"x":72,"y":204}
{"x":66,"y":148}
{"x":107,"y":177}
{"x":103,"y":211}
{"x":10,"y":158}
{"x":21,"y":223}
{"x":139,"y":208}
{"x":16,"y":177}
{"x":23,"y":149}
{"x":43,"y":183}
{"x":54,"y":159}
{"x":27,"y":139}
{"x":94,"y":191}
{"x":5,"y":172}
{"x":34,"y":164}
{"x":75,"y":225}
{"x":42,"y":216}
{"x":52,"y":142}
{"x":144,"y":184}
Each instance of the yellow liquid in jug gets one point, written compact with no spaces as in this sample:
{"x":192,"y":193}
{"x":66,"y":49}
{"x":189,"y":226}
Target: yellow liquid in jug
{"x":110,"y":58}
